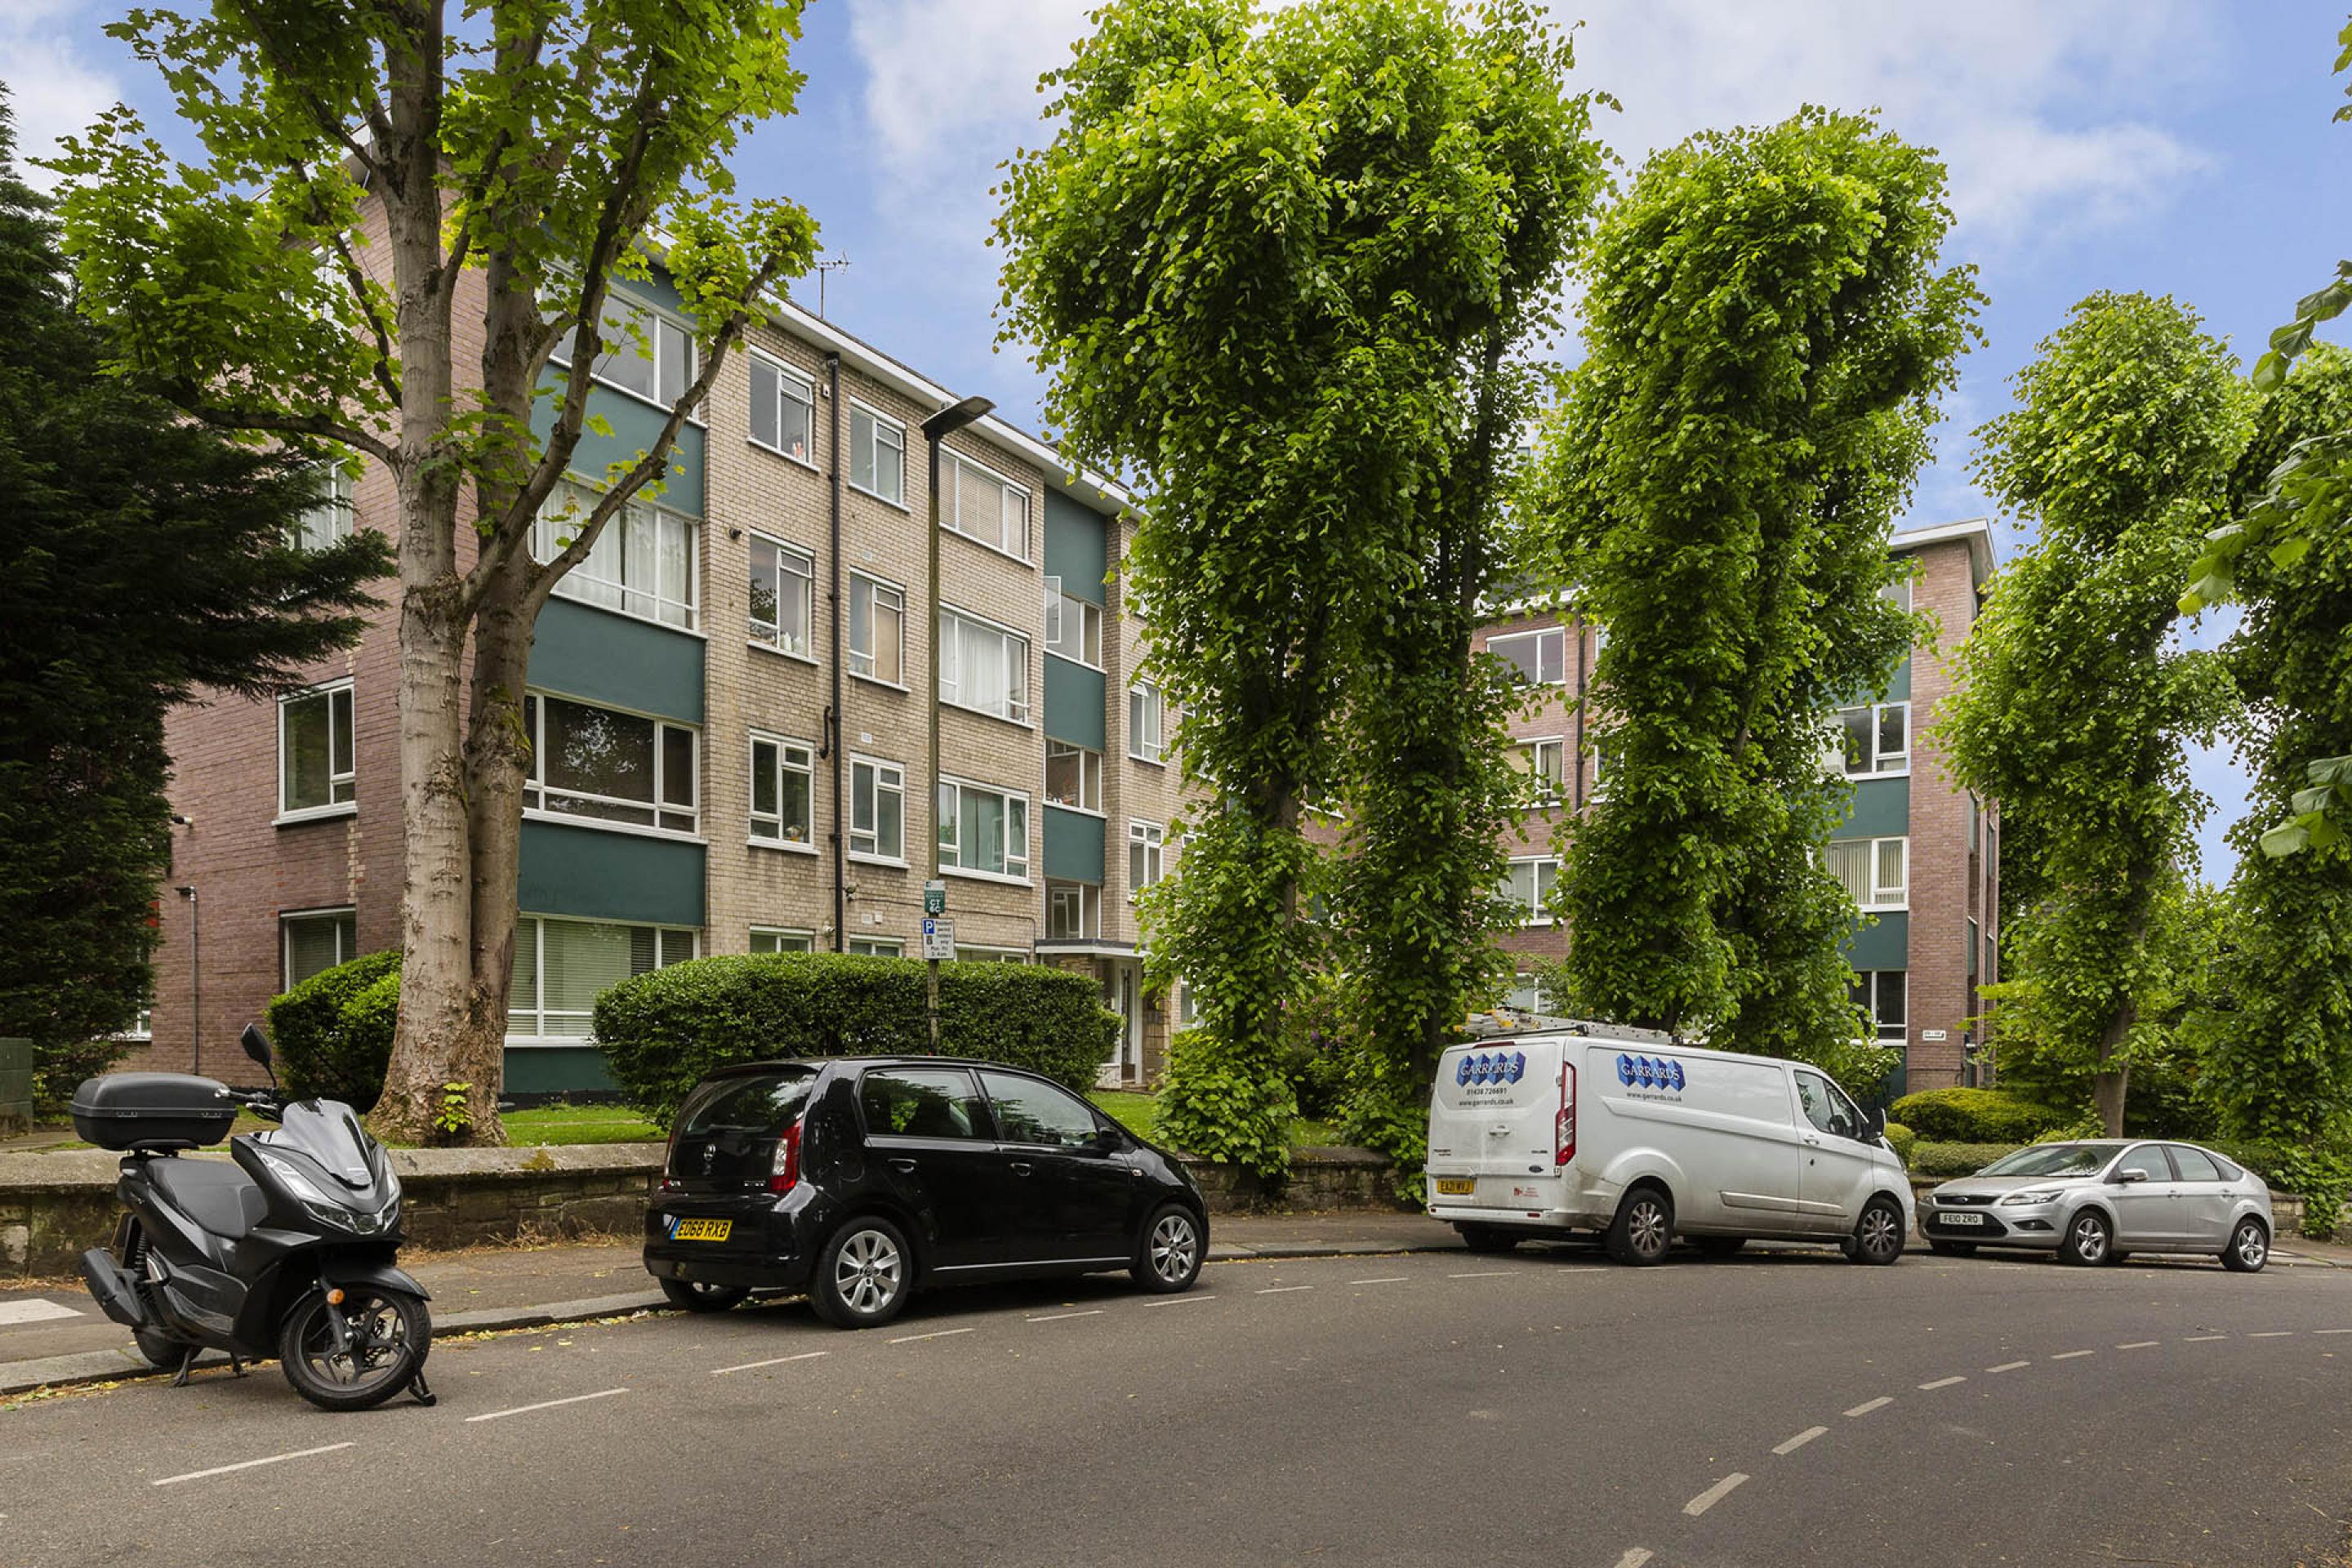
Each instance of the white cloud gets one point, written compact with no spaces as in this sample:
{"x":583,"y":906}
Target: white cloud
{"x":51,"y":88}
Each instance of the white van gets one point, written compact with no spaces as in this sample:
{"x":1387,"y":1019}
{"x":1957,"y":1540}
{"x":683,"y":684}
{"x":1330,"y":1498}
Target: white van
{"x":1590,"y":1127}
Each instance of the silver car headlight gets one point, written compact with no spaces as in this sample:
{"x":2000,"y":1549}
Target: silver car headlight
{"x":2033,"y":1195}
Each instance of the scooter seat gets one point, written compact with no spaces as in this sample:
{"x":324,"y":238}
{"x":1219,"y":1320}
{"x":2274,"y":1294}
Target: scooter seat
{"x":218,"y":1197}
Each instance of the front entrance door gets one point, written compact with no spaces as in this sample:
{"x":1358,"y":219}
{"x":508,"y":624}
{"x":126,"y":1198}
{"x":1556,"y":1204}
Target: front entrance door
{"x":1123,"y":994}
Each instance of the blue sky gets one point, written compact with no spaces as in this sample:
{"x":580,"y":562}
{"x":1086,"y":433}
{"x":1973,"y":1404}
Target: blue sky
{"x":2162,"y":145}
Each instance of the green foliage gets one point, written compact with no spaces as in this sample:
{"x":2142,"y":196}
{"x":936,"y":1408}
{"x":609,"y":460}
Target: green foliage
{"x":1215,"y":1103}
{"x":333,"y":1033}
{"x":1903,"y":1139}
{"x":1945,"y":1161}
{"x":455,"y":1113}
{"x":666,"y":1031}
{"x":2322,"y":1177}
{"x":1768,"y":333}
{"x":2075,"y":706}
{"x":1975,"y":1116}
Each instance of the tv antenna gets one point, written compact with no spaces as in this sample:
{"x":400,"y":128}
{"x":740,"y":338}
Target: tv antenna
{"x":822,"y":269}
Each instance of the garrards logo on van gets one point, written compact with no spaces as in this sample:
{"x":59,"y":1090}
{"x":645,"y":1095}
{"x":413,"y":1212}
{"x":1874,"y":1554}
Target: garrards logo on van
{"x":1656,"y":1074}
{"x":1490,"y":1069}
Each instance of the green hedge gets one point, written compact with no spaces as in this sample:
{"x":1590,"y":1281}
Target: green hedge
{"x":663,"y":1032}
{"x":1946,"y":1160}
{"x":1975,"y":1116}
{"x":333,"y":1033}
{"x":1904,"y":1139}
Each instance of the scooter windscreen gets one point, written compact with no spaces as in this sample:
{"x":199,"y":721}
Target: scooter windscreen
{"x":320,"y":1156}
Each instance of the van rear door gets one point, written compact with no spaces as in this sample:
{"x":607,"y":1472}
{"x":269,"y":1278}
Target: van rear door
{"x":1493,"y":1113}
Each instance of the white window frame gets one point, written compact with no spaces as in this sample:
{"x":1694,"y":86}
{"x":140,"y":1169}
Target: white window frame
{"x":870,"y":793}
{"x":807,"y":939}
{"x":1885,"y":897}
{"x":1538,"y":914}
{"x":871,"y":585}
{"x":346,"y":780}
{"x":786,"y":748}
{"x":677,"y":606}
{"x":1155,"y":748}
{"x":1882,"y":764}
{"x":877,"y":947}
{"x":535,"y":782}
{"x":1058,"y":619}
{"x":792,"y":386}
{"x":948,"y":823}
{"x":1558,"y":634}
{"x":337,"y":913}
{"x":876,"y":445}
{"x":953,"y":624}
{"x":973,"y":953}
{"x":618,"y":304}
{"x":1090,"y":776}
{"x":1088,"y":898}
{"x":1898,"y":591}
{"x":1010,"y":491}
{"x":334,"y":520}
{"x":1870,"y":980}
{"x":1545,"y":789}
{"x":1147,"y":856}
{"x":537,"y":924}
{"x":770,"y":635}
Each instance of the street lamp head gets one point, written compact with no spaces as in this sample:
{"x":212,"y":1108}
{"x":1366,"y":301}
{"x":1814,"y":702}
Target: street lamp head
{"x":956,"y":415}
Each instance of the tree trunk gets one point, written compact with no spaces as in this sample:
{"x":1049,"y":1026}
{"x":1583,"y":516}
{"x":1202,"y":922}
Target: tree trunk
{"x":2112,"y":1078}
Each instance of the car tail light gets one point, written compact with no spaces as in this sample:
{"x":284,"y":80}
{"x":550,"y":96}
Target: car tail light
{"x":787,"y":1168}
{"x":669,"y":1182}
{"x":1563,"y":1127}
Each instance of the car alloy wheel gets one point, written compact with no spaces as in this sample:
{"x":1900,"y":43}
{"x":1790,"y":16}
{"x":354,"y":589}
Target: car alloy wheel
{"x":1173,"y":1248}
{"x":1878,"y":1235}
{"x":868,"y":1272}
{"x":2250,"y":1248}
{"x":2086,"y":1239}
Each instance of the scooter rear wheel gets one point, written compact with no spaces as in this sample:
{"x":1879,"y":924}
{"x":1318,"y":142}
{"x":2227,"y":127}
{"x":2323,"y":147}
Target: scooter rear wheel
{"x":389,"y":1332}
{"x":160,"y":1349}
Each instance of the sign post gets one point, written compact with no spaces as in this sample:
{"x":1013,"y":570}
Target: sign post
{"x":938,"y":943}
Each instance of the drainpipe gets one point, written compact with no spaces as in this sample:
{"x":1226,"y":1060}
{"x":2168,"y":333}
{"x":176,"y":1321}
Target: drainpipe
{"x":832,"y":714}
{"x":1579,"y":714}
{"x":196,"y":982}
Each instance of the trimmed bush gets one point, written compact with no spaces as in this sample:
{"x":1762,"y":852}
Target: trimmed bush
{"x":1946,"y":1160}
{"x":1975,"y":1116}
{"x":663,"y":1032}
{"x":1903,"y":1138}
{"x":333,"y":1033}
{"x":2321,"y":1177}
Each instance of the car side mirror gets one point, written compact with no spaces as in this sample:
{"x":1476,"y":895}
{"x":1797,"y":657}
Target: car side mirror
{"x":256,"y":1044}
{"x":1878,"y":1124}
{"x":2125,"y":1178}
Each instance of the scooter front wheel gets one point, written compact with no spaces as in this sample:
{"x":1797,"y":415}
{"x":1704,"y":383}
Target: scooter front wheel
{"x":385,"y":1336}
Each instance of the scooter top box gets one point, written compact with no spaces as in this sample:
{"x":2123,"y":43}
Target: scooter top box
{"x":131,"y":1110}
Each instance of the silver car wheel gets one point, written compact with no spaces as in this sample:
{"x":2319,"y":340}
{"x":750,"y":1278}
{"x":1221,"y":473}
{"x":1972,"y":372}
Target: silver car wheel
{"x":2252,"y":1248}
{"x":1881,"y":1234}
{"x":1174,"y":1246}
{"x":2090,"y":1238}
{"x":1646,"y":1228}
{"x":865,"y":1272}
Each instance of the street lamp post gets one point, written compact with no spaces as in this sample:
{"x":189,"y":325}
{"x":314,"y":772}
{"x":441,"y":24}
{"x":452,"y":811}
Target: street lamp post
{"x":936,"y":429}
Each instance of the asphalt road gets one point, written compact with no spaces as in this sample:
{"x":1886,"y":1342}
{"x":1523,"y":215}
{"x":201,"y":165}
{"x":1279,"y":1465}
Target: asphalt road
{"x":1541,"y":1407}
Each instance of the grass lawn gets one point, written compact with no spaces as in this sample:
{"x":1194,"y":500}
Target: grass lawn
{"x":1139,"y":1114}
{"x":580,"y":1124}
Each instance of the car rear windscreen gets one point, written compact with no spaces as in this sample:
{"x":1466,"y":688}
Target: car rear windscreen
{"x":728,"y":1131}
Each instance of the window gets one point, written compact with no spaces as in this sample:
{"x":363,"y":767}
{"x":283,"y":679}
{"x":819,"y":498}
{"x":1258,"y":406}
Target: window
{"x":1188,"y":1004}
{"x":2194,"y":1165}
{"x":783,"y":791}
{"x":878,"y":809}
{"x":1528,"y":886}
{"x":595,"y":762}
{"x":773,"y":939}
{"x":984,"y":506}
{"x":561,"y":967}
{"x":982,"y":829}
{"x":2147,"y":1160}
{"x":1028,"y":1111}
{"x":922,"y":1102}
{"x":648,"y":356}
{"x":1536,"y":658}
{"x":784,"y":408}
{"x":1146,"y":841}
{"x":875,"y":947}
{"x":642,"y":564}
{"x":329,"y":523}
{"x":1880,"y":994}
{"x":878,"y":630}
{"x":1143,"y":714}
{"x":983,"y":668}
{"x":1875,"y":871}
{"x":1877,"y":739}
{"x":1074,"y":776}
{"x":1528,"y":994}
{"x":1898,"y":593}
{"x":314,"y":941}
{"x":1826,"y":1106}
{"x":1073,"y":626}
{"x":1073,"y":911}
{"x":1544,"y":763}
{"x":316,"y":770}
{"x":877,"y":455}
{"x":783,"y":595}
{"x":967,"y":953}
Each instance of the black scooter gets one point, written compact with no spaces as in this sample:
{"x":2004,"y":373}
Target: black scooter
{"x":287,"y":1251}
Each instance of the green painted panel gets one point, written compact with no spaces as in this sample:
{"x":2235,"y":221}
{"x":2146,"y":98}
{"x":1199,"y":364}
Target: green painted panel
{"x":1074,"y":548}
{"x":1886,"y":945}
{"x":1899,"y":688}
{"x":601,"y":875}
{"x":1881,"y":809}
{"x":598,"y":656}
{"x":635,"y":424}
{"x":556,"y":1069}
{"x":1074,"y":845}
{"x":1074,"y":702}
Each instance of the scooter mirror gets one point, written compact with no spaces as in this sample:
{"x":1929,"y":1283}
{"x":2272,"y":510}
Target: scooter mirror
{"x":256,"y":1044}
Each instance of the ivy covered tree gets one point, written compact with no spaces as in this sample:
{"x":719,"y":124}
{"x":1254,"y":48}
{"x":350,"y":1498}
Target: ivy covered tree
{"x":378,"y":187}
{"x":145,"y":559}
{"x":1768,"y":330}
{"x":2076,"y":704}
{"x":1274,"y":262}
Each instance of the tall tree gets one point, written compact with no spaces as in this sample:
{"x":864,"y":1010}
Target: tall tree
{"x":377,"y":189}
{"x":146,"y":556}
{"x":1768,"y":330}
{"x":1265,"y":259}
{"x":2077,"y":704}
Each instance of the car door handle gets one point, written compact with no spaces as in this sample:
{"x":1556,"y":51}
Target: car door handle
{"x":901,"y":1164}
{"x":1020,"y":1167}
{"x":1813,"y":1142}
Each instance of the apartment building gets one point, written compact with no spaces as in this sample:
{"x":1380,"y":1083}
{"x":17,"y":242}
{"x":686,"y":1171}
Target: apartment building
{"x":729,"y":711}
{"x":1920,"y":857}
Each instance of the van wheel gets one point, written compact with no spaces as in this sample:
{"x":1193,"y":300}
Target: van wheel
{"x":1878,"y":1234}
{"x":1486,"y":1239}
{"x":1644,"y":1229}
{"x":1719,"y":1245}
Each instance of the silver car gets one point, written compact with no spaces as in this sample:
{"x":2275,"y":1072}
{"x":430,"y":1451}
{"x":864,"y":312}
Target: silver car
{"x":2099,"y":1200}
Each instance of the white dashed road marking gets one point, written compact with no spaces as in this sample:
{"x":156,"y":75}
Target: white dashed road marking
{"x":934,"y":1334}
{"x":1867,"y":1406}
{"x":1399,"y":1279}
{"x":1279,"y":1289}
{"x":1713,"y":1495}
{"x":1634,"y":1557}
{"x":1941,"y":1382}
{"x":1179,"y":1301}
{"x":2138,"y":1344}
{"x":1800,"y":1440}
{"x":247,"y":1465}
{"x":773,"y":1361}
{"x":1058,"y":1317}
{"x":2274,"y":1334}
{"x":2332,"y":1331}
{"x":2202,"y":1339}
{"x":2070,"y":1355}
{"x":34,"y":1312}
{"x":1484,"y":1274}
{"x":543,"y":1405}
{"x":2009,"y":1366}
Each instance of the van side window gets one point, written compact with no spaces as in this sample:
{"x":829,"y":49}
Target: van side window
{"x":922,"y":1102}
{"x":1826,"y":1106}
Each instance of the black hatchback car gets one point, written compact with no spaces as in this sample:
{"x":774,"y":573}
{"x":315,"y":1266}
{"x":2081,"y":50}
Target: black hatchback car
{"x":857,"y":1179}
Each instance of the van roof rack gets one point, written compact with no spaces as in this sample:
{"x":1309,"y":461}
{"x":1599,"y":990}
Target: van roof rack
{"x":1504,"y":1021}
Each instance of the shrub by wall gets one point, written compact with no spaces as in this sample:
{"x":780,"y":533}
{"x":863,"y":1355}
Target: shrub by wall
{"x":663,"y":1032}
{"x":1975,"y":1116}
{"x":1946,"y":1160}
{"x":333,"y":1033}
{"x":1904,"y":1139}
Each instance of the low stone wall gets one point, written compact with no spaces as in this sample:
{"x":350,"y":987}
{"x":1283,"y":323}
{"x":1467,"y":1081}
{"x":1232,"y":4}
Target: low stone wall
{"x":1327,"y":1178}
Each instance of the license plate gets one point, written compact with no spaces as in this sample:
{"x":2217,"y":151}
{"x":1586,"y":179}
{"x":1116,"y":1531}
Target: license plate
{"x":1960,"y":1219}
{"x":1456,"y":1186}
{"x":702,"y":1230}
